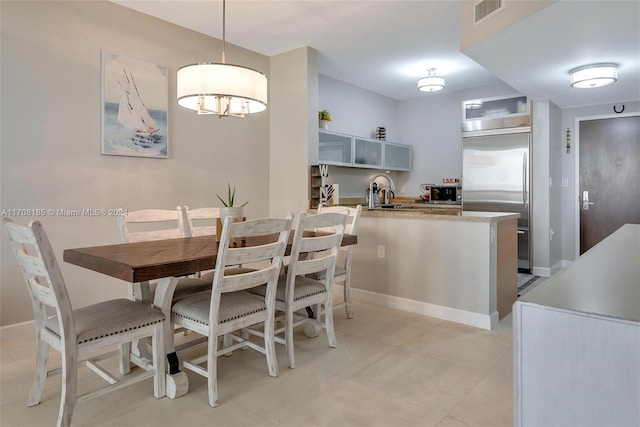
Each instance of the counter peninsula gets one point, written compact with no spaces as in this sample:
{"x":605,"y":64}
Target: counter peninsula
{"x":576,"y":340}
{"x":449,"y":264}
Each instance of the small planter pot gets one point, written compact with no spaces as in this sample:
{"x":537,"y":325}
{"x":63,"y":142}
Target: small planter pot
{"x":323,"y":124}
{"x":236,"y":212}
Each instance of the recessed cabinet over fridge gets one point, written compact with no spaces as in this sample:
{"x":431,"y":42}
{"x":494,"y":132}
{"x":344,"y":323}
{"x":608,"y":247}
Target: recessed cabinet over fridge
{"x":354,"y":151}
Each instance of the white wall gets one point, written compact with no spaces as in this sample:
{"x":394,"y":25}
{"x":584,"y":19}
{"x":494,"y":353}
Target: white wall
{"x":546,"y":185}
{"x":293,"y":110}
{"x":555,"y":190}
{"x":50,"y":134}
{"x":357,"y":111}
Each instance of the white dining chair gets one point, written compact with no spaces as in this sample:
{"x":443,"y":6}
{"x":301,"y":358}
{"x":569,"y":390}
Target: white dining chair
{"x":148,"y":225}
{"x":204,"y":222}
{"x":201,"y":221}
{"x":296,"y":290}
{"x":85,"y":335}
{"x":157,"y":224}
{"x":343,"y":266}
{"x":228,"y":308}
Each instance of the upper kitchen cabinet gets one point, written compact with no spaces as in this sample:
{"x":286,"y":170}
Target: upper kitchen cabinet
{"x":335,"y":148}
{"x":397,"y":156}
{"x":368,"y":153}
{"x":354,"y":151}
{"x":495,"y":113}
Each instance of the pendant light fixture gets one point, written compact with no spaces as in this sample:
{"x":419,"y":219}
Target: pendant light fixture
{"x":431,"y":83}
{"x":594,"y":75}
{"x":221,"y":88}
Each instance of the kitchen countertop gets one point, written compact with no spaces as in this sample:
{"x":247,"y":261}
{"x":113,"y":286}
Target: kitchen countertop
{"x":434,"y":211}
{"x":442,"y":215}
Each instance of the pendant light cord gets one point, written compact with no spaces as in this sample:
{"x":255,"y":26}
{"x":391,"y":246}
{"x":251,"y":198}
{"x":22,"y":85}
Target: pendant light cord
{"x":223,"y":31}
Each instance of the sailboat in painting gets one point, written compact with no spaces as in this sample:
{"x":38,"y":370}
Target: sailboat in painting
{"x":133,"y":114}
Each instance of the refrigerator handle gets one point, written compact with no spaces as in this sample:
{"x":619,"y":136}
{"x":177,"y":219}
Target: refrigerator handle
{"x":525,"y":199}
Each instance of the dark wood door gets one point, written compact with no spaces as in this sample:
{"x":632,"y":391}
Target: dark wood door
{"x":610,"y":174}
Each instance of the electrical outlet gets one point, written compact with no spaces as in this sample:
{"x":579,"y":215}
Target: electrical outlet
{"x":403,"y":189}
{"x":565,"y":182}
{"x":381,"y":251}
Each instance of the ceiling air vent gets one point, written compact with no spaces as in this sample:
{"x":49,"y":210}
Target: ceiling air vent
{"x":486,"y":8}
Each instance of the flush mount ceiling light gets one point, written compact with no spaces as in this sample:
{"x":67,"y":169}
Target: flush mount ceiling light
{"x":431,"y":83}
{"x":594,"y":75}
{"x":221,"y":88}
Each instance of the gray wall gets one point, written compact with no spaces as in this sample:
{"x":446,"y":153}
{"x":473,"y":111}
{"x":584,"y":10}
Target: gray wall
{"x":50,"y":134}
{"x":545,"y":176}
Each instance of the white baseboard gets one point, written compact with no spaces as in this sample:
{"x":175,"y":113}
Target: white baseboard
{"x":478,"y":320}
{"x":540,"y":271}
{"x":548,"y":272}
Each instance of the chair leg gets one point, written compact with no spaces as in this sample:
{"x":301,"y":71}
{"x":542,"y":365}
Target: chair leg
{"x":270,"y":346}
{"x":227,"y":342}
{"x":288,"y":335}
{"x":69,"y":386}
{"x":40,"y":376}
{"x":159,"y":362}
{"x":212,"y":377}
{"x":244,"y":333}
{"x":125,"y":358}
{"x":328,"y":323}
{"x":347,"y":297}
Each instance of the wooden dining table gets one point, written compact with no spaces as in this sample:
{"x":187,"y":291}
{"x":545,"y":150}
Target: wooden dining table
{"x":165,"y":261}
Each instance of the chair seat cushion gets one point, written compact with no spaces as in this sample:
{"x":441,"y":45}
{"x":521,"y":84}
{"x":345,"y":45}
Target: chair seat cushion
{"x":304,"y":287}
{"x":233,"y":305}
{"x":109,"y":318}
{"x":231,"y":270}
{"x":320,"y":275}
{"x":189,"y":286}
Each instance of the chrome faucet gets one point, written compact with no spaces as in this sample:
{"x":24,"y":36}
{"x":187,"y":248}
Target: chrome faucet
{"x":392,"y":187}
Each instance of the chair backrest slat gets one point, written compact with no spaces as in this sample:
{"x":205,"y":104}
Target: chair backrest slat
{"x":238,"y":256}
{"x":352,"y":222}
{"x":323,"y":249}
{"x":30,"y":264}
{"x":201,"y":221}
{"x":166,"y":224}
{"x":270,"y":250}
{"x":42,"y":275}
{"x":239,"y":282}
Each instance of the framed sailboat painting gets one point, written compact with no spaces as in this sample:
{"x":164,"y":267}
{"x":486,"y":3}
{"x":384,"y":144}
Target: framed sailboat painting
{"x":135,"y":107}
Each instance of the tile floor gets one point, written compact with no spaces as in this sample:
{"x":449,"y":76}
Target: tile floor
{"x":391,"y":368}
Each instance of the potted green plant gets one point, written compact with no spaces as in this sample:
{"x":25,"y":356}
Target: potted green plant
{"x":229,"y":209}
{"x":324,"y":117}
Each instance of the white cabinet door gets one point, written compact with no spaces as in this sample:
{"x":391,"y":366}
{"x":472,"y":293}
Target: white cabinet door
{"x":397,"y":156}
{"x":368,"y":153}
{"x":335,"y":148}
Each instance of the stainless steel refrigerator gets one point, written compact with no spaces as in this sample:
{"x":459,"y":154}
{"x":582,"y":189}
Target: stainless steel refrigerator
{"x":495,"y":178}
